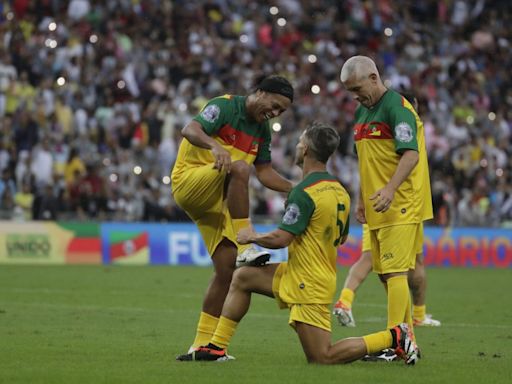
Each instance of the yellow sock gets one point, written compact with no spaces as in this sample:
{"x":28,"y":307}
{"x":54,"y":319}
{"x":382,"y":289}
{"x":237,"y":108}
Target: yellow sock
{"x":408,"y":317}
{"x":224,"y":332}
{"x":398,"y":300}
{"x":347,"y":297}
{"x":418,"y":312}
{"x":376,"y":342}
{"x":205,"y":329}
{"x":239,"y":224}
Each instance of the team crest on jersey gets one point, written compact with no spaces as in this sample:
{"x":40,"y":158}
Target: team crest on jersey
{"x":291,"y":216}
{"x":211,"y":113}
{"x":254,"y":147}
{"x":403,"y":132}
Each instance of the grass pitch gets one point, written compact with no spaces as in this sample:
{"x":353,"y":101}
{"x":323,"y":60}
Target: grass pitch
{"x":95,"y":324}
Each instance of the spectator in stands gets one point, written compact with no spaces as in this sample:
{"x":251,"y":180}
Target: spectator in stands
{"x":45,"y":205}
{"x":117,"y":77}
{"x":24,"y":200}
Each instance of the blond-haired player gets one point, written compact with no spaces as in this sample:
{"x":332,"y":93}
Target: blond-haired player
{"x":395,"y":196}
{"x":362,"y":267}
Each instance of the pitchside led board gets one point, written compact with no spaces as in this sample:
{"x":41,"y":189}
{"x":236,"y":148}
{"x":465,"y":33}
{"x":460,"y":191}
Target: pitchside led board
{"x":181,"y":244}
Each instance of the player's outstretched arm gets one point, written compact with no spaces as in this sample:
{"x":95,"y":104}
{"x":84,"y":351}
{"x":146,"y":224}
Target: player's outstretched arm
{"x":272,"y":240}
{"x":268,"y":176}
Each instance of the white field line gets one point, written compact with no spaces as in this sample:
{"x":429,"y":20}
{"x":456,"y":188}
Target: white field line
{"x":52,"y":291}
{"x":278,"y":314}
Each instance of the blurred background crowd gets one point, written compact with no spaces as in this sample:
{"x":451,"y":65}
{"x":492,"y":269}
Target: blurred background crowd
{"x":93,"y":95}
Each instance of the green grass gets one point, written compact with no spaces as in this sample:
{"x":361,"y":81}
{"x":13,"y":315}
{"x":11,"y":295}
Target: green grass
{"x":94,"y":324}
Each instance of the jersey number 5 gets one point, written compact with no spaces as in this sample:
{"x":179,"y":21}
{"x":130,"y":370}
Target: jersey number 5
{"x":339,"y":223}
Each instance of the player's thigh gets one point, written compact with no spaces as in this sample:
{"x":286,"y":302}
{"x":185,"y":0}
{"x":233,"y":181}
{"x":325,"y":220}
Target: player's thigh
{"x":200,"y":190}
{"x":256,"y":279}
{"x":312,"y":324}
{"x":224,"y":257}
{"x":394,"y":248}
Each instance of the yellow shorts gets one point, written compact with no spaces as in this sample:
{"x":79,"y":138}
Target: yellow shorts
{"x":366,"y":244}
{"x":394,"y":248}
{"x":419,"y":240}
{"x":317,"y":315}
{"x":200,"y":193}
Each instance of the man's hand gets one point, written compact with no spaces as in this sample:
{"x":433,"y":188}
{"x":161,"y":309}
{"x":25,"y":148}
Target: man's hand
{"x":222,"y":158}
{"x":383,"y":199}
{"x":245,"y":235}
{"x":360,"y":213}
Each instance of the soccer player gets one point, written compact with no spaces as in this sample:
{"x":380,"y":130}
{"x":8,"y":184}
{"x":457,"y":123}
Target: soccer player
{"x":395,"y":196}
{"x":358,"y":273}
{"x":361,"y":268}
{"x":315,"y":223}
{"x":210,"y":181}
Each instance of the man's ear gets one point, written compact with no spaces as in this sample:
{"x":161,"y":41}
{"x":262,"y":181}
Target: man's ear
{"x":306,"y":147}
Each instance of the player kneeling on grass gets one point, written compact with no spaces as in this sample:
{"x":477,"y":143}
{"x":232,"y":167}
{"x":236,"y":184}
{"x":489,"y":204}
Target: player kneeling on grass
{"x":314,"y":224}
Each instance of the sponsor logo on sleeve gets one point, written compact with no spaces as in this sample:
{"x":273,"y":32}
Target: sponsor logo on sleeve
{"x":291,"y":215}
{"x":403,"y":132}
{"x":211,"y":113}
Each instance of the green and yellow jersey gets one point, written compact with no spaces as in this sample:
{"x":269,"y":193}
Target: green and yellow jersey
{"x":317,"y":213}
{"x":382,"y":133}
{"x":224,"y":118}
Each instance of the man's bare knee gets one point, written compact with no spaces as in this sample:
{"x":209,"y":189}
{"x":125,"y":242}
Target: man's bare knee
{"x":241,"y":278}
{"x":240,"y":169}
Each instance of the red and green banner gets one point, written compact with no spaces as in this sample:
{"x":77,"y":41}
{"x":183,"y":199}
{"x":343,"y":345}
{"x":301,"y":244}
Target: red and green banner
{"x":181,"y":244}
{"x":85,"y":246}
{"x":129,"y":247}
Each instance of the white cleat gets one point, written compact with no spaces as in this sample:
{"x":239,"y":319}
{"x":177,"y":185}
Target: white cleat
{"x":428,"y":321}
{"x":387,"y":355}
{"x":252,"y":257}
{"x":343,"y":314}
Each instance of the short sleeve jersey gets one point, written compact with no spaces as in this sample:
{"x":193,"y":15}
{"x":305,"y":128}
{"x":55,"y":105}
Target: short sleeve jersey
{"x":382,"y":133}
{"x":317,"y":213}
{"x":224,"y":118}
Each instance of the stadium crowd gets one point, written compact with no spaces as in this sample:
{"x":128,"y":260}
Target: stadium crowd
{"x":93,"y":95}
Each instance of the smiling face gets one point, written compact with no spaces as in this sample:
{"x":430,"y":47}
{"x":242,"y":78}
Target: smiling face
{"x":267,"y":105}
